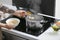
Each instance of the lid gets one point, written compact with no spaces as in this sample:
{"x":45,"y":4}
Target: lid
{"x":34,"y":17}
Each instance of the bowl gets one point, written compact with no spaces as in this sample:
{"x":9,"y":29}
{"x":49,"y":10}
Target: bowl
{"x":13,"y":21}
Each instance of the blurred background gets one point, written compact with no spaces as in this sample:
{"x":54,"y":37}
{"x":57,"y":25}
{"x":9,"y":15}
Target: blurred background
{"x":44,"y":6}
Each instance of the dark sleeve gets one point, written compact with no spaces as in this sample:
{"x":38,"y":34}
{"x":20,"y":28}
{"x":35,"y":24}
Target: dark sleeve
{"x":22,"y":25}
{"x":4,"y":21}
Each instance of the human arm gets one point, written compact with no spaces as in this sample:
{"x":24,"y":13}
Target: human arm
{"x":6,"y":26}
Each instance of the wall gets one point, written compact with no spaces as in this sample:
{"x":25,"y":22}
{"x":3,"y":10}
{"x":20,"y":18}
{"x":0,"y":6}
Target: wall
{"x":57,"y":9}
{"x":48,"y":7}
{"x":6,"y":2}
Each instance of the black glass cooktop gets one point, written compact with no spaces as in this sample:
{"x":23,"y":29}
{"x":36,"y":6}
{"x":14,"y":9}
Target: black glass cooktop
{"x":36,"y":31}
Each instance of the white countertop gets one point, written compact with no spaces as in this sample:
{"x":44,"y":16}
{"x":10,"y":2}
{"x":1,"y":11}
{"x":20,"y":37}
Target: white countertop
{"x":50,"y":35}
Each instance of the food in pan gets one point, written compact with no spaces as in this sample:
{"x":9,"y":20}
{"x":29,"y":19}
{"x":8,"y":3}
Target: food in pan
{"x":56,"y":26}
{"x":29,"y":13}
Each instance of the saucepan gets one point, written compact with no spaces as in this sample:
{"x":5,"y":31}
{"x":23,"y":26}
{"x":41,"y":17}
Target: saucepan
{"x":35,"y":23}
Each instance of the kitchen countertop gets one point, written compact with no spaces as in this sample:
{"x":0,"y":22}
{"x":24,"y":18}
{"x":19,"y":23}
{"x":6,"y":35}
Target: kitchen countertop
{"x":49,"y":34}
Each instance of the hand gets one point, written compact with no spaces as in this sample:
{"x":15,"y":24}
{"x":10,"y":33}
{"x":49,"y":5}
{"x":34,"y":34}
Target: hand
{"x":20,"y":13}
{"x":8,"y":26}
{"x":2,"y":24}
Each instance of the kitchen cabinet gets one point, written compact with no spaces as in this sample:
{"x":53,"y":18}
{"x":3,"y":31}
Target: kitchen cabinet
{"x":9,"y":36}
{"x":17,"y":35}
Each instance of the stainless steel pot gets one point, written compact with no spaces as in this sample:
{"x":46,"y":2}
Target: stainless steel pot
{"x":34,"y":23}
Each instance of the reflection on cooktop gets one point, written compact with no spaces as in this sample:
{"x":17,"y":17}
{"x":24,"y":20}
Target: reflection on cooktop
{"x":33,"y":31}
{"x":36,"y":31}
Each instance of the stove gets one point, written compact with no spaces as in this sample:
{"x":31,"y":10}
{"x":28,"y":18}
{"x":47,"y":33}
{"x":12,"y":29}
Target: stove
{"x":36,"y":31}
{"x":31,"y":33}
